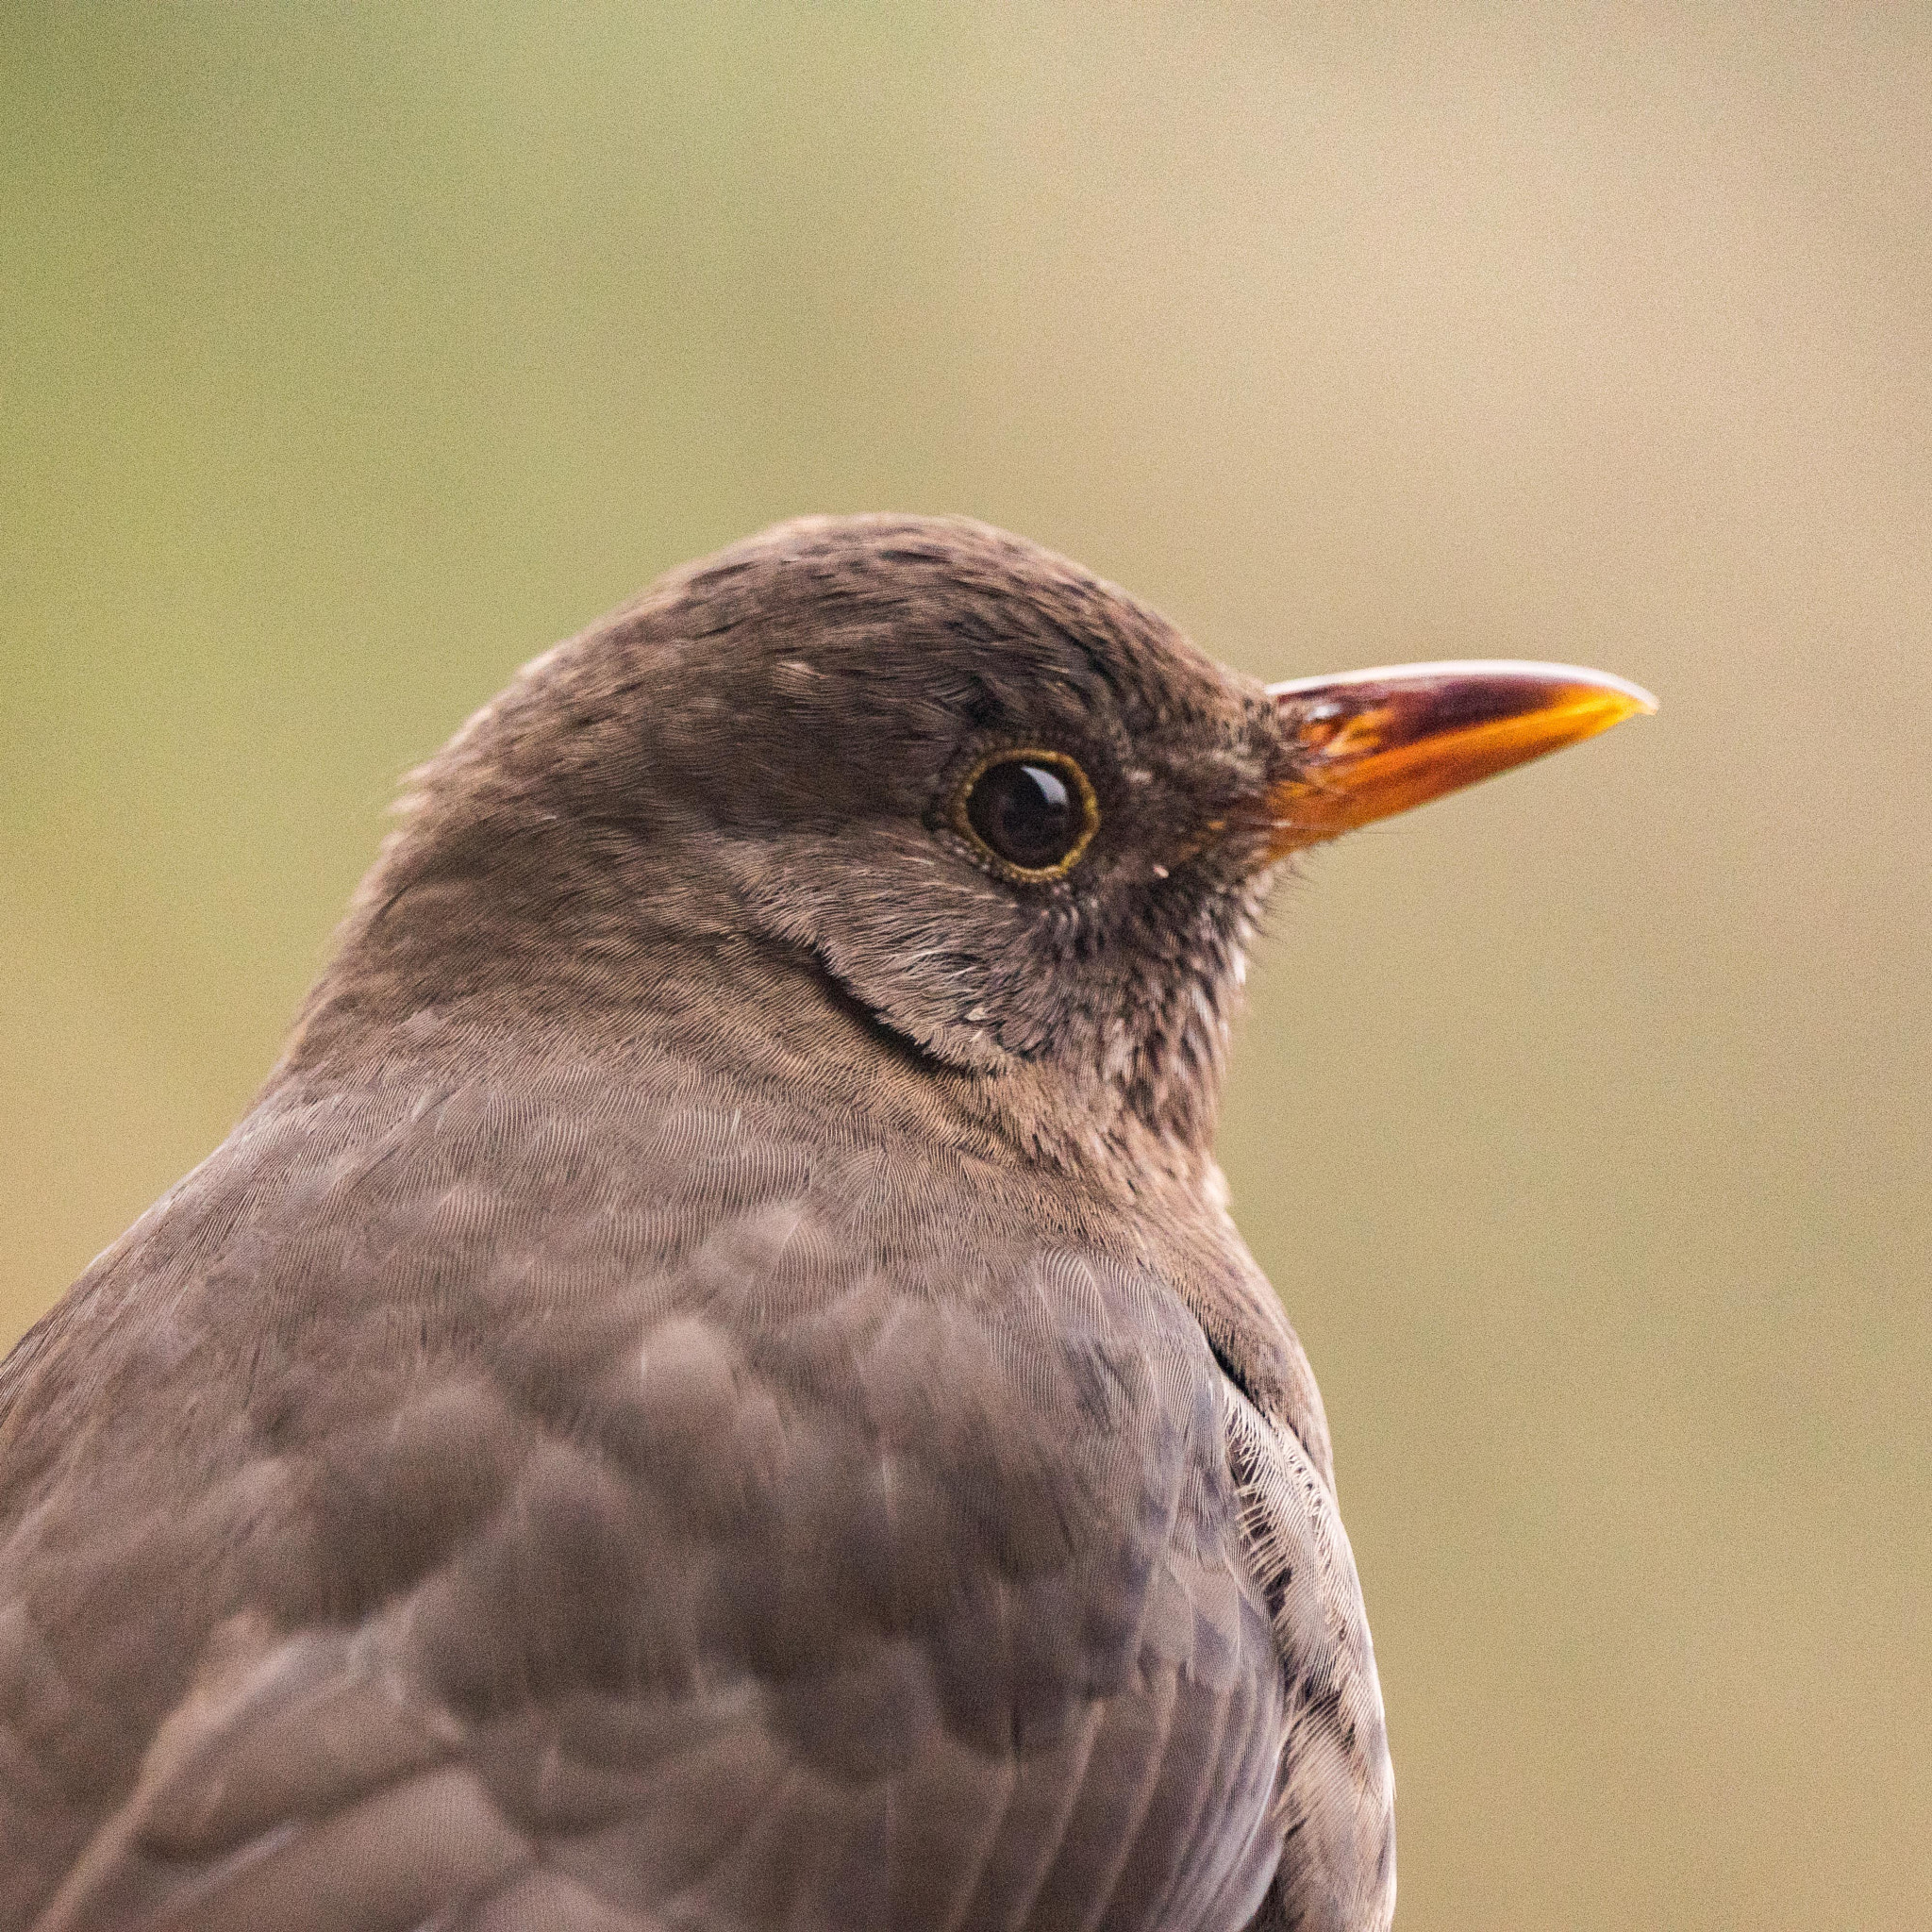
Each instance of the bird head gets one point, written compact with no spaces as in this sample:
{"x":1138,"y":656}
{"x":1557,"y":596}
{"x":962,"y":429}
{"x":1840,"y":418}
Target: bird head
{"x":917,"y":783}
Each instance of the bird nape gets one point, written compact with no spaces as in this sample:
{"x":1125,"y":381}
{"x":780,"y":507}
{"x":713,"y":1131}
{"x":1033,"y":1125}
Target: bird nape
{"x":715,"y":1385}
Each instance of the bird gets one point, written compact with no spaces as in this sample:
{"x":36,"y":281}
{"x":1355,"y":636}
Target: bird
{"x":716,"y":1384}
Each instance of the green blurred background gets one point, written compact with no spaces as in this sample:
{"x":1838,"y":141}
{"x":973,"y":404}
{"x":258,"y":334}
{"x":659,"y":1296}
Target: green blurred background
{"x":351,"y":356}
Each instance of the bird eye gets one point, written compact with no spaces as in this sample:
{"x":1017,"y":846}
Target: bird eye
{"x":1032,"y":811}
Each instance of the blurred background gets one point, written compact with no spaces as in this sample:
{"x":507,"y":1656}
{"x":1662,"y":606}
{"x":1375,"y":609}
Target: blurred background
{"x":352,"y":356}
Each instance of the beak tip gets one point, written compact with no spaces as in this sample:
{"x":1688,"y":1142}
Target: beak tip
{"x":1606,"y":702}
{"x":1637,"y":702}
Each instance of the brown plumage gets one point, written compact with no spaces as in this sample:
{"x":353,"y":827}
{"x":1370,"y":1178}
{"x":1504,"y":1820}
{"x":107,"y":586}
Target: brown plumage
{"x":714,"y":1387}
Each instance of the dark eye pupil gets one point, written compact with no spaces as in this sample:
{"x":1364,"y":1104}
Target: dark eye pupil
{"x":1026,"y":812}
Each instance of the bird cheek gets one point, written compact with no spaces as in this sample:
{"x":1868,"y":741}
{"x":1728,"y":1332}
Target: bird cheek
{"x":911,"y":961}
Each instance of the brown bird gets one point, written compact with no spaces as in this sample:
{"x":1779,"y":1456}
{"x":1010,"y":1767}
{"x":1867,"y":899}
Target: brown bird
{"x":715,"y":1386}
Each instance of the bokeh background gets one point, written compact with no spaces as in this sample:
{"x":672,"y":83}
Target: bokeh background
{"x":353,"y":354}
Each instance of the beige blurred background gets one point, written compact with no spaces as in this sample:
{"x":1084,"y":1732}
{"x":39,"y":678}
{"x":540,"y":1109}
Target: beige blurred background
{"x":351,"y":356}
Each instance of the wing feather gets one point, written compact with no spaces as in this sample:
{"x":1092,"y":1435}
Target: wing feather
{"x":697,"y":1537}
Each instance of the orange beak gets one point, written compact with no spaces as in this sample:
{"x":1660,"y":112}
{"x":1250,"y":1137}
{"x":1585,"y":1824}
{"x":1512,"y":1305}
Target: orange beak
{"x":1372,"y":742}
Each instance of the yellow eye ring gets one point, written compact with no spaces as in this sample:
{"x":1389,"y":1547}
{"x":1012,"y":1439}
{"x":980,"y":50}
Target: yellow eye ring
{"x":1031,"y":811}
